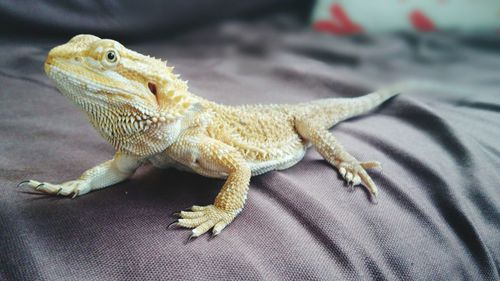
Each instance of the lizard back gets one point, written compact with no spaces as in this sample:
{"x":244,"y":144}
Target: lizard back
{"x":262,"y":134}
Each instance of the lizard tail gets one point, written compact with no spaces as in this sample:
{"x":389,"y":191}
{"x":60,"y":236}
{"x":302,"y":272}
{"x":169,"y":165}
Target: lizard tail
{"x":328,"y":112}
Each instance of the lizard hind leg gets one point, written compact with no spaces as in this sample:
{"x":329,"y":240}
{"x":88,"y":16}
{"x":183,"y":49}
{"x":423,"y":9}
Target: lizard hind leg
{"x":351,"y":170}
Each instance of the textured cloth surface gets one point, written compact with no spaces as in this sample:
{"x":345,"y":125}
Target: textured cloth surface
{"x":125,"y":18}
{"x":439,"y":205}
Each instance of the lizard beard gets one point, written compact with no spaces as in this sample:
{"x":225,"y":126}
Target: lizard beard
{"x":130,"y":130}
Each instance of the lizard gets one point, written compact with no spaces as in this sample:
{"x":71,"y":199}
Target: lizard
{"x":146,"y":112}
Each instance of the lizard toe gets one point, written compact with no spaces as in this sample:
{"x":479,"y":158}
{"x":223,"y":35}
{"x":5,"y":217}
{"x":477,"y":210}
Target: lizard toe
{"x":203,"y":218}
{"x":74,"y":188}
{"x":354,"y":173}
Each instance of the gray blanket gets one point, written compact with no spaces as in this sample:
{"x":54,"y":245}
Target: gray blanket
{"x":438,"y":216}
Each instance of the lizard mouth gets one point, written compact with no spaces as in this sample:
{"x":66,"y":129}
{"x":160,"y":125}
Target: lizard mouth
{"x":50,"y":61}
{"x":48,"y":66}
{"x":68,"y":73}
{"x":70,"y":80}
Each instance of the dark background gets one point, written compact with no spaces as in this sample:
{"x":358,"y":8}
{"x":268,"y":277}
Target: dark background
{"x":138,"y":20}
{"x":438,"y":216}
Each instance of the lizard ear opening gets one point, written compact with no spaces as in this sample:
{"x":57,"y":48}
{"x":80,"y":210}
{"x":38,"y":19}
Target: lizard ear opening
{"x":152,"y":88}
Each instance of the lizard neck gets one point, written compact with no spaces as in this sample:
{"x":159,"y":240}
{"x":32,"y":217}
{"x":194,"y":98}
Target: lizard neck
{"x":133,"y":130}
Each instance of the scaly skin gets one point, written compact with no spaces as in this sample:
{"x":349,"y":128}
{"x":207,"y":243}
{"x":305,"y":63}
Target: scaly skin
{"x":147,"y":113}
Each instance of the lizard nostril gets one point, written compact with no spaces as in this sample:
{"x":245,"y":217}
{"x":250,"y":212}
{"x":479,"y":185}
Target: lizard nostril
{"x":152,"y":88}
{"x":78,"y":59}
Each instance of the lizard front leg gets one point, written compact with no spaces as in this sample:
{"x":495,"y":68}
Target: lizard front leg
{"x":352,"y":170}
{"x":110,"y":172}
{"x":217,"y":156}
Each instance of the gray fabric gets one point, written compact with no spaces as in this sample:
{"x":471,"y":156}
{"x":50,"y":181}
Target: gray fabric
{"x":439,"y":206}
{"x":126,"y":18}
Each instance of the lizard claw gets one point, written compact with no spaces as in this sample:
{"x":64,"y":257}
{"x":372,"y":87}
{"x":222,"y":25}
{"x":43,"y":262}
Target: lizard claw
{"x":172,"y":225}
{"x":38,"y":186}
{"x":75,"y":194}
{"x":192,"y":237}
{"x":22,"y":183}
{"x":350,"y":187}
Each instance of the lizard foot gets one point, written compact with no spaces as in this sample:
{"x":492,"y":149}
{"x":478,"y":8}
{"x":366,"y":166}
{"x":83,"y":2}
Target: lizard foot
{"x":354,"y":173}
{"x":203,"y":218}
{"x":71,"y":188}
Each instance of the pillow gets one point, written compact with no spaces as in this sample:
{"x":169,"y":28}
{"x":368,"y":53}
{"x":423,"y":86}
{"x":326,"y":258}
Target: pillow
{"x":358,"y":16}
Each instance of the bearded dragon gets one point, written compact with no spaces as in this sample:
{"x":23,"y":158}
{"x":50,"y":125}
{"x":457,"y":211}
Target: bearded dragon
{"x":147,"y":113}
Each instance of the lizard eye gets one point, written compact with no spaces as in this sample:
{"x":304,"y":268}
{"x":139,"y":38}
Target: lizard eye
{"x":111,"y":57}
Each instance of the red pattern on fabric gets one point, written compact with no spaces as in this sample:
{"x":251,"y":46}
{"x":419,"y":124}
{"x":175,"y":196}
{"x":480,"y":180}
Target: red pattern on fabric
{"x":421,"y":22}
{"x":340,"y":23}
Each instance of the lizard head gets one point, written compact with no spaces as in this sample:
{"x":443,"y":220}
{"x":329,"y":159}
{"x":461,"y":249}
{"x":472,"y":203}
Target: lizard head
{"x":134,"y":101}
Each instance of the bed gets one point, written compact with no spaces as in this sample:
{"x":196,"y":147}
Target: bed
{"x":438,"y":212}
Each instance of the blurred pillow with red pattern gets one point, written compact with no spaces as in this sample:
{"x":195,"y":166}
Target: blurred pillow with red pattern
{"x":347,"y":17}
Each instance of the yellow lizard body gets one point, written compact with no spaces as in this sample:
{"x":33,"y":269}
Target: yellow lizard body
{"x":147,"y":113}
